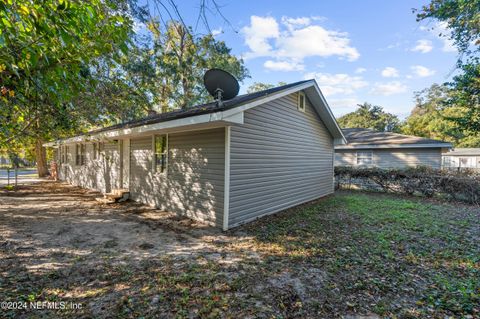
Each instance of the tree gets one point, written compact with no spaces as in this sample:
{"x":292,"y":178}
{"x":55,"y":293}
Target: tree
{"x":462,"y":18}
{"x":70,"y":66}
{"x":46,"y":51}
{"x":177,"y":64}
{"x":370,"y":116}
{"x":465,"y":94}
{"x":259,"y":86}
{"x":433,"y":117}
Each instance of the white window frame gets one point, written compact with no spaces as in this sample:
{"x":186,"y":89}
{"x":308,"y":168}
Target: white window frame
{"x":300,"y":105}
{"x":164,"y":153}
{"x":366,"y":155}
{"x":80,"y":150}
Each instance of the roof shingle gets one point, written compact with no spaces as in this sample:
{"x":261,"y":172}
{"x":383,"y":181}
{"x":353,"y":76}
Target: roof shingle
{"x":363,"y":136}
{"x":199,"y":109}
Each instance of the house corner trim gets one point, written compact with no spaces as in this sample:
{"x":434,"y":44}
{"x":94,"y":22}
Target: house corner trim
{"x":226,"y":193}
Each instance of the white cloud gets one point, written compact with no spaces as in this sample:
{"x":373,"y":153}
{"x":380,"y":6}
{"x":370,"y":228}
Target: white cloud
{"x":390,"y":72}
{"x":441,"y":31}
{"x":389,"y":88}
{"x":216,"y":32}
{"x":283,"y":65}
{"x":360,"y":70}
{"x":423,"y":46}
{"x":298,"y":39}
{"x":139,"y":26}
{"x":343,"y":103}
{"x":256,"y":35}
{"x":332,"y":84}
{"x":293,"y":23}
{"x":422,"y":71}
{"x":314,"y":40}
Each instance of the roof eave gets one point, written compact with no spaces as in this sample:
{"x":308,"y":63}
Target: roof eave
{"x":386,"y":146}
{"x":203,"y":121}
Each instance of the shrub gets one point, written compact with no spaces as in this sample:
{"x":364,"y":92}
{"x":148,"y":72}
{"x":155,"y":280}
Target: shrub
{"x":425,"y":181}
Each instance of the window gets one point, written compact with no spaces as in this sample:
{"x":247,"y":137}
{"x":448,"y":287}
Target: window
{"x":96,"y":150}
{"x":80,"y":154}
{"x":160,"y":153}
{"x":364,"y":158}
{"x":301,"y":101}
{"x":59,"y":155}
{"x":64,"y":156}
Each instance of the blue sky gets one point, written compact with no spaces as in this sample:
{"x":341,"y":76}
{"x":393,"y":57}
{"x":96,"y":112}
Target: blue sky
{"x":358,"y":51}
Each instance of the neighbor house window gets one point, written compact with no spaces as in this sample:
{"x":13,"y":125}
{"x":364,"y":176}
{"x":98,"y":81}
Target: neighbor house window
{"x":160,"y":152}
{"x":301,"y":101}
{"x":80,"y":154}
{"x":364,"y":158}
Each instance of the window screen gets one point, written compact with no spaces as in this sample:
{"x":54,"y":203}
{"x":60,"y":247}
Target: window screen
{"x":160,"y":153}
{"x":364,"y":158}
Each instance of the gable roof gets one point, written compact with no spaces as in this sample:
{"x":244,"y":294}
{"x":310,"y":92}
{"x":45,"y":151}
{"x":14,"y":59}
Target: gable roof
{"x":229,"y":111}
{"x":463,"y":152}
{"x":198,"y":109}
{"x":358,"y":138}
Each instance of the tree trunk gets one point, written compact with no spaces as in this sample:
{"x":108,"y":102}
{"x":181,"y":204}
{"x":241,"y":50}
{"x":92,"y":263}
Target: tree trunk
{"x":41,"y":158}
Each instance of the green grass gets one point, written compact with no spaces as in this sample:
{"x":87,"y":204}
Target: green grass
{"x":353,"y":252}
{"x":384,"y":252}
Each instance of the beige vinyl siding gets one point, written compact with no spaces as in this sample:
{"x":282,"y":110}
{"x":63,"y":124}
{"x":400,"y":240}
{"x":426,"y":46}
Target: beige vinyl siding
{"x":394,"y":158}
{"x":194,"y":180}
{"x":280,"y":157}
{"x":101,"y":174}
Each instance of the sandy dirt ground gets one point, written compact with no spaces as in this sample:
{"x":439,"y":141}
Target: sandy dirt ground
{"x":53,"y":228}
{"x":52,"y":219}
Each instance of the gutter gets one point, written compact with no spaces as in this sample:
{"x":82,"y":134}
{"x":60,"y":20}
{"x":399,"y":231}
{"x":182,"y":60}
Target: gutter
{"x":386,"y":146}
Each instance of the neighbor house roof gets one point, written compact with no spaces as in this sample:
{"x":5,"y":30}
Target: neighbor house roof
{"x":464,"y":152}
{"x":362,"y":138}
{"x":213,"y":113}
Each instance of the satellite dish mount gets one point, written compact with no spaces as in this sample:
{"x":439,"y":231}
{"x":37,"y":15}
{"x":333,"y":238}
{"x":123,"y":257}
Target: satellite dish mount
{"x":221,"y":85}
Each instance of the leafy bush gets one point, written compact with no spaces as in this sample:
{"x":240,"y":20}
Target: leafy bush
{"x":425,"y":181}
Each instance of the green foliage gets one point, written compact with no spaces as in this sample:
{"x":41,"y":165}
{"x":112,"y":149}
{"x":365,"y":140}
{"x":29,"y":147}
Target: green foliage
{"x":46,"y":51}
{"x":439,"y":114}
{"x":466,"y":95}
{"x":172,"y":70}
{"x":461,"y":186}
{"x":259,"y":86}
{"x":462,"y":18}
{"x":370,"y":116}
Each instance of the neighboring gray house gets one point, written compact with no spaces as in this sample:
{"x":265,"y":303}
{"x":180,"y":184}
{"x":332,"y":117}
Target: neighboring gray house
{"x":225,"y":164}
{"x":462,"y":158}
{"x":367,"y":147}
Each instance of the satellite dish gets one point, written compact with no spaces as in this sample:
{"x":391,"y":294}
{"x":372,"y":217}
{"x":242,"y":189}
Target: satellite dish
{"x":221,"y":84}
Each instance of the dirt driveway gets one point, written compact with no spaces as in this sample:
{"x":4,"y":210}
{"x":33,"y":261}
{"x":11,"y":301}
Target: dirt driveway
{"x":56,"y":242}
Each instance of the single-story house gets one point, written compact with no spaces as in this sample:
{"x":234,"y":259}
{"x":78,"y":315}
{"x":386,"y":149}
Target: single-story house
{"x":462,"y":158}
{"x":223,"y":163}
{"x":370,"y":148}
